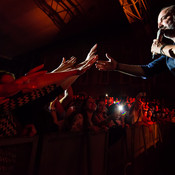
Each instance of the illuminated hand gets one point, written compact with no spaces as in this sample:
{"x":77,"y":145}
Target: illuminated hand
{"x":156,"y":45}
{"x":89,"y":61}
{"x":65,"y":65}
{"x":90,"y":57}
{"x":91,"y":52}
{"x":109,"y":65}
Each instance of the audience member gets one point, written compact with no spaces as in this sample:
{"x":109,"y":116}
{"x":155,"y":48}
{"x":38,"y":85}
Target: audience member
{"x":87,"y":113}
{"x":50,"y":83}
{"x":101,"y":118}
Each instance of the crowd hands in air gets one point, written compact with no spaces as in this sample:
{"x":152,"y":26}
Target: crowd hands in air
{"x":36,"y":79}
{"x":72,"y":114}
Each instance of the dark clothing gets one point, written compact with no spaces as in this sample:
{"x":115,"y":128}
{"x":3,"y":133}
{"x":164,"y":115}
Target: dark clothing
{"x":37,"y":113}
{"x":159,"y":65}
{"x":36,"y":98}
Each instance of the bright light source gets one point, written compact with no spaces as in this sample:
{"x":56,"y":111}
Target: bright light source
{"x":120,"y":107}
{"x":106,"y":95}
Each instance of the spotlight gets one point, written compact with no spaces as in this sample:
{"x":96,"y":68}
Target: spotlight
{"x":120,"y":107}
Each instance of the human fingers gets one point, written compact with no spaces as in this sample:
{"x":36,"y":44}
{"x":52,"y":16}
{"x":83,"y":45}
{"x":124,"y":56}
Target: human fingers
{"x":65,"y":64}
{"x":100,"y":67}
{"x":35,"y":74}
{"x":91,"y":52}
{"x":36,"y":69}
{"x":99,"y":62}
{"x":93,"y":48}
{"x":69,"y":63}
{"x":88,"y":64}
{"x":109,"y":57}
{"x":156,"y":42}
{"x":93,"y":60}
{"x":155,"y":47}
{"x":63,"y":60}
{"x":72,"y":59}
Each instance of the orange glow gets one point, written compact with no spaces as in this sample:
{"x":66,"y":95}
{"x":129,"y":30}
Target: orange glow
{"x":65,"y":9}
{"x":134,"y":9}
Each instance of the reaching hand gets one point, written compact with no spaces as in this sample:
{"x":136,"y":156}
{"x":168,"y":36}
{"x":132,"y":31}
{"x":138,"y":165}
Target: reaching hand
{"x":89,"y":61}
{"x":109,"y":65}
{"x":87,"y":65}
{"x":35,"y":70}
{"x":91,"y":52}
{"x":69,"y":65}
{"x":81,"y":67}
{"x":65,"y":65}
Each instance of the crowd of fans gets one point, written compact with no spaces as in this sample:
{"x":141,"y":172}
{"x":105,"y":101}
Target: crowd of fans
{"x":84,"y":113}
{"x":41,"y":102}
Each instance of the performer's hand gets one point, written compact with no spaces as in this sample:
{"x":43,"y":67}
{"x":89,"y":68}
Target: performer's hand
{"x":156,"y":45}
{"x":109,"y":65}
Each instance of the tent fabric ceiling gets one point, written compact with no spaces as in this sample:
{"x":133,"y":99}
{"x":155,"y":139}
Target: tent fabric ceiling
{"x":24,"y":26}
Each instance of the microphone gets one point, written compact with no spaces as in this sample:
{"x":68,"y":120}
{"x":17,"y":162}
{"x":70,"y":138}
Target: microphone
{"x":159,"y":37}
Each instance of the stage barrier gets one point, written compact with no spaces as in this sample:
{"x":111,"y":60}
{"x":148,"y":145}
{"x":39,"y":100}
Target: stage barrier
{"x":77,"y":153}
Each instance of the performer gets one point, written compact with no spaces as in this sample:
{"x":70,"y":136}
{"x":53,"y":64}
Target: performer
{"x":166,"y":22}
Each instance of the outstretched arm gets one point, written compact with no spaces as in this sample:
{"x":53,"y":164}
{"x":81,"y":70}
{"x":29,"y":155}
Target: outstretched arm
{"x":82,"y":67}
{"x":65,"y":65}
{"x":9,"y":89}
{"x":113,"y":65}
{"x":69,"y":72}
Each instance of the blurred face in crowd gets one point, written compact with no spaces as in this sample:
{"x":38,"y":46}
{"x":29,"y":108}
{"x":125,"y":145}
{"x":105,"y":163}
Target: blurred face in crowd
{"x":149,"y":113}
{"x":91,"y":105}
{"x":78,"y":121}
{"x":101,"y":106}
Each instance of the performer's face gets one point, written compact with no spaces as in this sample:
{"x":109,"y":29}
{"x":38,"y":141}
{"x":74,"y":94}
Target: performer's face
{"x":166,"y":20}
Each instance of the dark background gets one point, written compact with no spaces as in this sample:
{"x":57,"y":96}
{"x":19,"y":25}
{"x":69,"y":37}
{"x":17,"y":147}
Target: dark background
{"x":29,"y":38}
